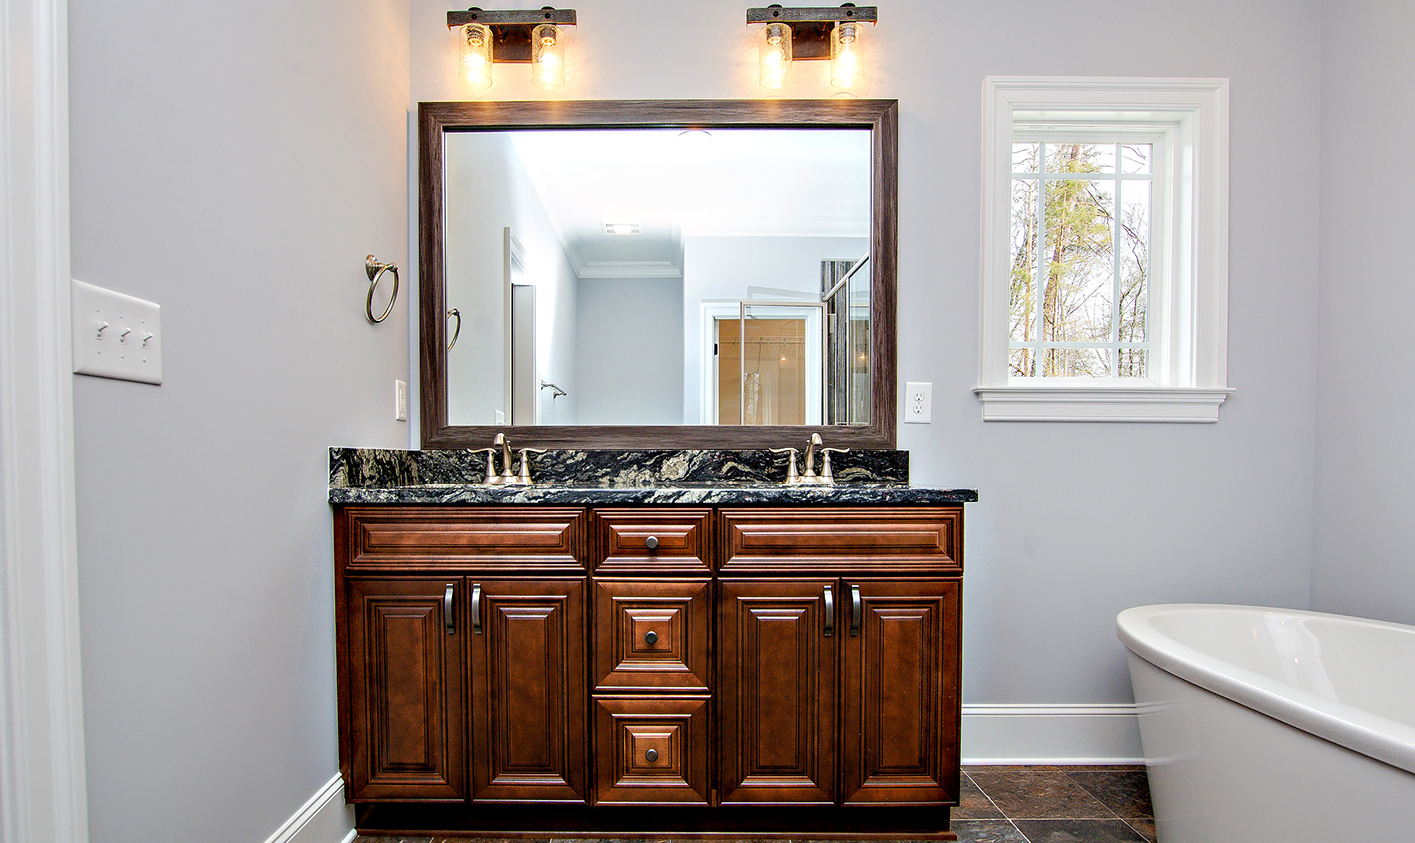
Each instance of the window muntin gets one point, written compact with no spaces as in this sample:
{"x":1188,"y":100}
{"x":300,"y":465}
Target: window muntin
{"x":1082,"y":279}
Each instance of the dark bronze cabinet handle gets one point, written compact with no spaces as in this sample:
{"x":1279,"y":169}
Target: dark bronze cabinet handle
{"x":829,"y":611}
{"x":476,"y":608}
{"x":856,"y":610}
{"x":650,"y":636}
{"x":447,"y":608}
{"x":651,"y":755}
{"x":651,"y":543}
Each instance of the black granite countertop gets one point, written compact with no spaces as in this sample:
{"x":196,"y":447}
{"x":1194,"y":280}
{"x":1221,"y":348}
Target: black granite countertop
{"x":597,"y":478}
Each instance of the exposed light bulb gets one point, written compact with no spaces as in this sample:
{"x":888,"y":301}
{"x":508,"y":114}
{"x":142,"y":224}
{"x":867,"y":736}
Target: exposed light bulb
{"x":476,"y":55}
{"x":547,"y":57}
{"x":775,"y":55}
{"x":844,"y":55}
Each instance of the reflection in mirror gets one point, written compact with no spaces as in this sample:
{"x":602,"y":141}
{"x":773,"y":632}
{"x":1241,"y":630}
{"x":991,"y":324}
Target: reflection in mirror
{"x":659,"y":276}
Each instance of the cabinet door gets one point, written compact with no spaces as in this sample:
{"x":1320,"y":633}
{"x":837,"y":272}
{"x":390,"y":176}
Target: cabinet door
{"x":778,"y":662}
{"x":406,"y":673}
{"x":528,"y":690}
{"x":899,"y":692}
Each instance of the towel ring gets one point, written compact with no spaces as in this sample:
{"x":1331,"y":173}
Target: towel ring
{"x":457,"y":332}
{"x":375,"y":269}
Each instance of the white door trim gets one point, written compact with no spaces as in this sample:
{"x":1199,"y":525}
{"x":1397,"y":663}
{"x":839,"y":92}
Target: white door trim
{"x":43,"y":794}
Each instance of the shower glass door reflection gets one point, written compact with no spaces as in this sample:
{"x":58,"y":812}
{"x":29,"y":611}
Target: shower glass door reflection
{"x":769,"y":365}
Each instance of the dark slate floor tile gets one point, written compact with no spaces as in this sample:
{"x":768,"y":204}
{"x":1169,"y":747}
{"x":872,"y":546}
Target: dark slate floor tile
{"x":1145,"y":826}
{"x":1127,"y":793}
{"x":987,"y":831}
{"x":1041,"y":795}
{"x":1078,"y":831}
{"x":972,"y":804}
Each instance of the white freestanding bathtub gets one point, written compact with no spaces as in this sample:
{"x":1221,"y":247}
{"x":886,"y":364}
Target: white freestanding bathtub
{"x":1276,"y":725}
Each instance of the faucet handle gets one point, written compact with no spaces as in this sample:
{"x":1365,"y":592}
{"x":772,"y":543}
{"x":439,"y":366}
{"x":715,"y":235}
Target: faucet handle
{"x":792,"y":475}
{"x":826,"y":476}
{"x":524,"y":477}
{"x":492,"y":477}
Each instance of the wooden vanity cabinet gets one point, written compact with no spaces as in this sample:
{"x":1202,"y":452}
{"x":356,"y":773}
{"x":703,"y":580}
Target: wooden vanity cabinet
{"x":668,"y":657}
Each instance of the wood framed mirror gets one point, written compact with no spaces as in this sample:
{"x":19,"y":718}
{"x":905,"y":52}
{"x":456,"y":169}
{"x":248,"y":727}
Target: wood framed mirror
{"x":577,"y":256}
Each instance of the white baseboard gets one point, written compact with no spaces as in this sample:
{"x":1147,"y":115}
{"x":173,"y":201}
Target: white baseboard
{"x":1051,"y":734}
{"x":323,"y":819}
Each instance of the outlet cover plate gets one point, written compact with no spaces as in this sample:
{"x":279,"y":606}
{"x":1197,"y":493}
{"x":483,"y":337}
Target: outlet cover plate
{"x":116,"y":335}
{"x":918,"y":402}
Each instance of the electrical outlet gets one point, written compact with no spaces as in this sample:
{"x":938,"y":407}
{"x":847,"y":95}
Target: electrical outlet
{"x":115,"y":335}
{"x":400,"y":400}
{"x":918,"y":402}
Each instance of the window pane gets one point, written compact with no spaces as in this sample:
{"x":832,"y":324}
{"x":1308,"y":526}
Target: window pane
{"x":1134,"y":263}
{"x":1024,"y":157}
{"x":1080,"y":157}
{"x":1135,"y":157}
{"x":1076,"y":363}
{"x":1023,"y":316}
{"x":1021,"y":363}
{"x":1078,"y":299}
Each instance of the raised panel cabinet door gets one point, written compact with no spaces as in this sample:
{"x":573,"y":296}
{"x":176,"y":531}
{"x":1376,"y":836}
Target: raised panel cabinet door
{"x":777,"y":657}
{"x":899,"y":692}
{"x":528,"y":698}
{"x":406,"y":671}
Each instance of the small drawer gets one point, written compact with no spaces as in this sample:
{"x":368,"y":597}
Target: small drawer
{"x":651,"y":635}
{"x":854,"y":540}
{"x":651,"y":750}
{"x":490,"y":538}
{"x":659,"y":540}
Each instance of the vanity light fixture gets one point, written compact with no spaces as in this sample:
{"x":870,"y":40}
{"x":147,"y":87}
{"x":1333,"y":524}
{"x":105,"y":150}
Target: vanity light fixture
{"x":517,"y":36}
{"x":809,"y":33}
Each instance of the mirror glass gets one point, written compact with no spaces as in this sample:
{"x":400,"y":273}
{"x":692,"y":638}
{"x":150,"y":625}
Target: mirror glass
{"x":658,"y":276}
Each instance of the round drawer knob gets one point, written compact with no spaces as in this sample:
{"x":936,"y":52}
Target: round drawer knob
{"x":651,"y":543}
{"x":650,"y":637}
{"x":651,"y":755}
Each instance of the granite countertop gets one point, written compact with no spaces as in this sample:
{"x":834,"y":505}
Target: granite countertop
{"x":593,"y":478}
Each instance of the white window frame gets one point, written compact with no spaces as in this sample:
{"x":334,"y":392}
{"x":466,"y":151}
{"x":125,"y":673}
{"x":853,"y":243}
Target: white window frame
{"x":1188,"y":304}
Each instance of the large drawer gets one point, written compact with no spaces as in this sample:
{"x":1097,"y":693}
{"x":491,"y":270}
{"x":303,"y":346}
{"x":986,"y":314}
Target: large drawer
{"x":650,"y":635}
{"x":846,"y":541}
{"x":486,"y":538}
{"x":651,"y":750}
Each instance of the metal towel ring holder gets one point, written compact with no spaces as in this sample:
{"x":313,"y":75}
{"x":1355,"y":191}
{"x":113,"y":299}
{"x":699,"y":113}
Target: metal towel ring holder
{"x":375,"y":269}
{"x":458,"y":331}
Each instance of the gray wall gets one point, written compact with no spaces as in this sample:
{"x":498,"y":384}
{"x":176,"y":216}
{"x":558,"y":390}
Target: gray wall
{"x":1365,"y":492}
{"x":1076,"y":521}
{"x":617,"y":319}
{"x":234,"y":163}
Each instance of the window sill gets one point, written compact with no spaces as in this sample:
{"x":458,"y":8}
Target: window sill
{"x":1102,"y":403}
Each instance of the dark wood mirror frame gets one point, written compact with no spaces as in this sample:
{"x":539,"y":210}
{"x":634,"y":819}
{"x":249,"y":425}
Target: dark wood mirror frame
{"x":881,"y":117}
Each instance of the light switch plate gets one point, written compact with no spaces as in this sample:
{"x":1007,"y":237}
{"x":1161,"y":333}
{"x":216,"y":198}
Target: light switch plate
{"x":115,"y":335}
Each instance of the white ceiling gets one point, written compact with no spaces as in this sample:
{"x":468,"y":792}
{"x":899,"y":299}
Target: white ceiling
{"x":675,"y":184}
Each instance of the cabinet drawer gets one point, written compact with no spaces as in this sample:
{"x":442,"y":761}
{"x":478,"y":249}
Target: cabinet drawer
{"x":490,"y":538}
{"x":854,"y":541}
{"x":658,"y":540}
{"x":651,"y":750}
{"x":651,"y":635}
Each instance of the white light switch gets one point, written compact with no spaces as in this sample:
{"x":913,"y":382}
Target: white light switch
{"x":116,"y":336}
{"x":400,"y":400}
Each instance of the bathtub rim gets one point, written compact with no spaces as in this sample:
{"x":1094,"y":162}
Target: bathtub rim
{"x":1361,"y":731}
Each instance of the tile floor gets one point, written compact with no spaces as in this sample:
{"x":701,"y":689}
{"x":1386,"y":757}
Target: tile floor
{"x":1015,"y":805}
